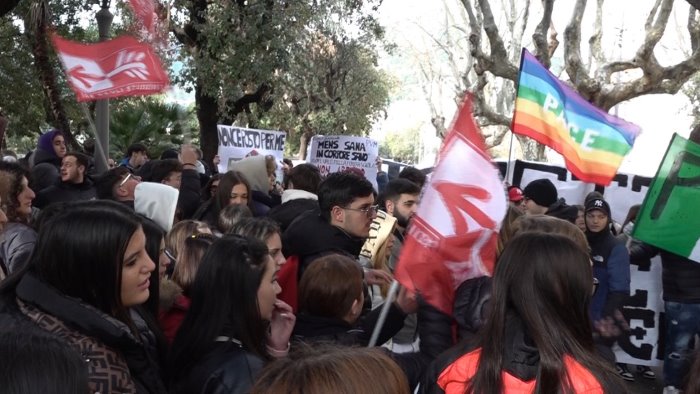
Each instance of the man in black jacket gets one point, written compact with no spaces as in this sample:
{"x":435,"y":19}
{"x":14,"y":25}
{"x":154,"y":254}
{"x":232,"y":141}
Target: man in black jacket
{"x":681,"y":293}
{"x":75,"y":185}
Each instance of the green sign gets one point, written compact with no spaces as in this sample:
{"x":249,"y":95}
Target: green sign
{"x":670,"y":216}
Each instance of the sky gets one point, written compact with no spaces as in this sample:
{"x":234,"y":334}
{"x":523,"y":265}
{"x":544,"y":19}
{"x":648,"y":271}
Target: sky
{"x":412,"y":23}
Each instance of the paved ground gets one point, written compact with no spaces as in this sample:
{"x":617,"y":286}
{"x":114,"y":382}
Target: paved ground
{"x":646,"y":386}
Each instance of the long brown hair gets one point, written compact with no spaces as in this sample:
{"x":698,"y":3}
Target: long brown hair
{"x":333,"y":369}
{"x":546,"y":281}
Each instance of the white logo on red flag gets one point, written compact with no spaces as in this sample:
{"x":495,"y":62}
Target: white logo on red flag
{"x":454,"y":234}
{"x":120,"y":67}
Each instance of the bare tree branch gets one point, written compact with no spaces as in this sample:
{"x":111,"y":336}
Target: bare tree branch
{"x":539,"y":37}
{"x":596,"y":49}
{"x":582,"y":82}
{"x":496,"y":62}
{"x":655,"y":28}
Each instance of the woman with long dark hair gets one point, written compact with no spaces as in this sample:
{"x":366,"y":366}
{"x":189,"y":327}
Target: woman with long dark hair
{"x":87,"y":272}
{"x":235,"y":324}
{"x":233,"y":188}
{"x":537,"y":336}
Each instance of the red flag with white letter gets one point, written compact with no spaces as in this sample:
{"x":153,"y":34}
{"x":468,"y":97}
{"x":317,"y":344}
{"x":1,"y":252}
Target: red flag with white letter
{"x":145,"y":12}
{"x":453,"y":236}
{"x":115,"y":68}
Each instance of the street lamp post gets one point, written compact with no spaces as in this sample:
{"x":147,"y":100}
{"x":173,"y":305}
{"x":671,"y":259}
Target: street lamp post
{"x":104,"y":23}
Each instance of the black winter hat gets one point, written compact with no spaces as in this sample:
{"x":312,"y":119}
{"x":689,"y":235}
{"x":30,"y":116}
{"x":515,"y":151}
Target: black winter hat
{"x":542,"y":192}
{"x":599,"y":204}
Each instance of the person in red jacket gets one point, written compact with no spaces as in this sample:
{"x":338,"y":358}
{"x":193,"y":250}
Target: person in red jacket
{"x":537,"y":337}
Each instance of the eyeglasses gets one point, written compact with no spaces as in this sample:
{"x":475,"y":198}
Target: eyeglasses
{"x":127,"y":177}
{"x":370,"y":211}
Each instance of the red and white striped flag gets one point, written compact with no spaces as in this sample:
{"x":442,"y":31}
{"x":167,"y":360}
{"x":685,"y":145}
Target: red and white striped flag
{"x":453,"y":236}
{"x":115,"y":68}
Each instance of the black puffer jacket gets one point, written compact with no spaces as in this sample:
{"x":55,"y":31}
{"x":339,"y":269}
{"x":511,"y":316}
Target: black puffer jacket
{"x":680,"y":276}
{"x":46,"y":170}
{"x":310,"y":236}
{"x":118,"y":362}
{"x":65,"y":192}
{"x":319,"y":329}
{"x":471,"y":307}
{"x":286,"y":213}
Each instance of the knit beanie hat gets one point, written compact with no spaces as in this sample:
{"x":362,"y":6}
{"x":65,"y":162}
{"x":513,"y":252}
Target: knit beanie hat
{"x":46,"y":141}
{"x":542,"y":192}
{"x":599,"y":204}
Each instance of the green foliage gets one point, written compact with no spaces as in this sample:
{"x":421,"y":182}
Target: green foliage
{"x":401,"y":146}
{"x":305,"y":66}
{"x":153,"y":123}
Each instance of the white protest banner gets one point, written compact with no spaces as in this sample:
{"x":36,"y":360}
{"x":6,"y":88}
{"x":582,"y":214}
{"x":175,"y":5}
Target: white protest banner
{"x":644,"y":310}
{"x":334,"y":153}
{"x":236,"y":143}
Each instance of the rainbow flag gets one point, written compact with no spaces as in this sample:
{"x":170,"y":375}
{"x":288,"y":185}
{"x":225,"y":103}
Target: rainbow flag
{"x":592,"y":142}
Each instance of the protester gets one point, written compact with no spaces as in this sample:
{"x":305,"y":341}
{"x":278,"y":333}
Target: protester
{"x":210,"y":187}
{"x":17,"y":238}
{"x":89,"y":268}
{"x":508,"y":226}
{"x":347,"y":208}
{"x":401,"y":199}
{"x":299,"y":196}
{"x":260,"y":173}
{"x":330,"y":303}
{"x":230,"y":216}
{"x":537,"y":335}
{"x":46,"y":161}
{"x":136,"y":156}
{"x":472,"y":304}
{"x":188,"y":261}
{"x":580,"y":217}
{"x":414,"y":175}
{"x":329,"y":369}
{"x":157,"y":202}
{"x":516,"y":198}
{"x":265,"y":230}
{"x":235,"y":324}
{"x":118,"y":184}
{"x":232,"y":189}
{"x":34,"y":362}
{"x":680,"y":280}
{"x":541,"y":197}
{"x":382,"y":176}
{"x":611,"y":267}
{"x":75,"y":185}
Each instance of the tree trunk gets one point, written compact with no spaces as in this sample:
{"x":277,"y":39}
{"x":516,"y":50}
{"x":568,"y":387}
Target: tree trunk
{"x":48,"y":76}
{"x":208,"y":117}
{"x":303,"y":143}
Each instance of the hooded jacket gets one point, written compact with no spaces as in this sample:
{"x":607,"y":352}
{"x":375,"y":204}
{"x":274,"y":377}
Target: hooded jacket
{"x":157,"y":202}
{"x":611,"y":266}
{"x":255,"y":171}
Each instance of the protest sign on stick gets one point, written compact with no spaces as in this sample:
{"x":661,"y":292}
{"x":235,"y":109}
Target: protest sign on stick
{"x":335,"y":153}
{"x":236,"y":143}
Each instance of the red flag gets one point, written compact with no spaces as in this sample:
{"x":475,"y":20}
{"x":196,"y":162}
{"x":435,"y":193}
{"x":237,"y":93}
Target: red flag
{"x":120,"y":67}
{"x":145,"y":12}
{"x":453,"y":236}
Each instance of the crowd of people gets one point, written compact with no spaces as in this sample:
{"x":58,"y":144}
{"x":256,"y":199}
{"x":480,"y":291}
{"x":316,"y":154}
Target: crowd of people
{"x":165,"y":276}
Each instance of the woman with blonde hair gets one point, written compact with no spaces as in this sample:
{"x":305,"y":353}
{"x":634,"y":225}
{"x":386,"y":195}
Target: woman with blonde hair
{"x":188,"y":261}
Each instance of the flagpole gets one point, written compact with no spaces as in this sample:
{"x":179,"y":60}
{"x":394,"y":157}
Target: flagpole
{"x":510,"y":153}
{"x":385,"y":311}
{"x":104,"y":22}
{"x":101,"y":155}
